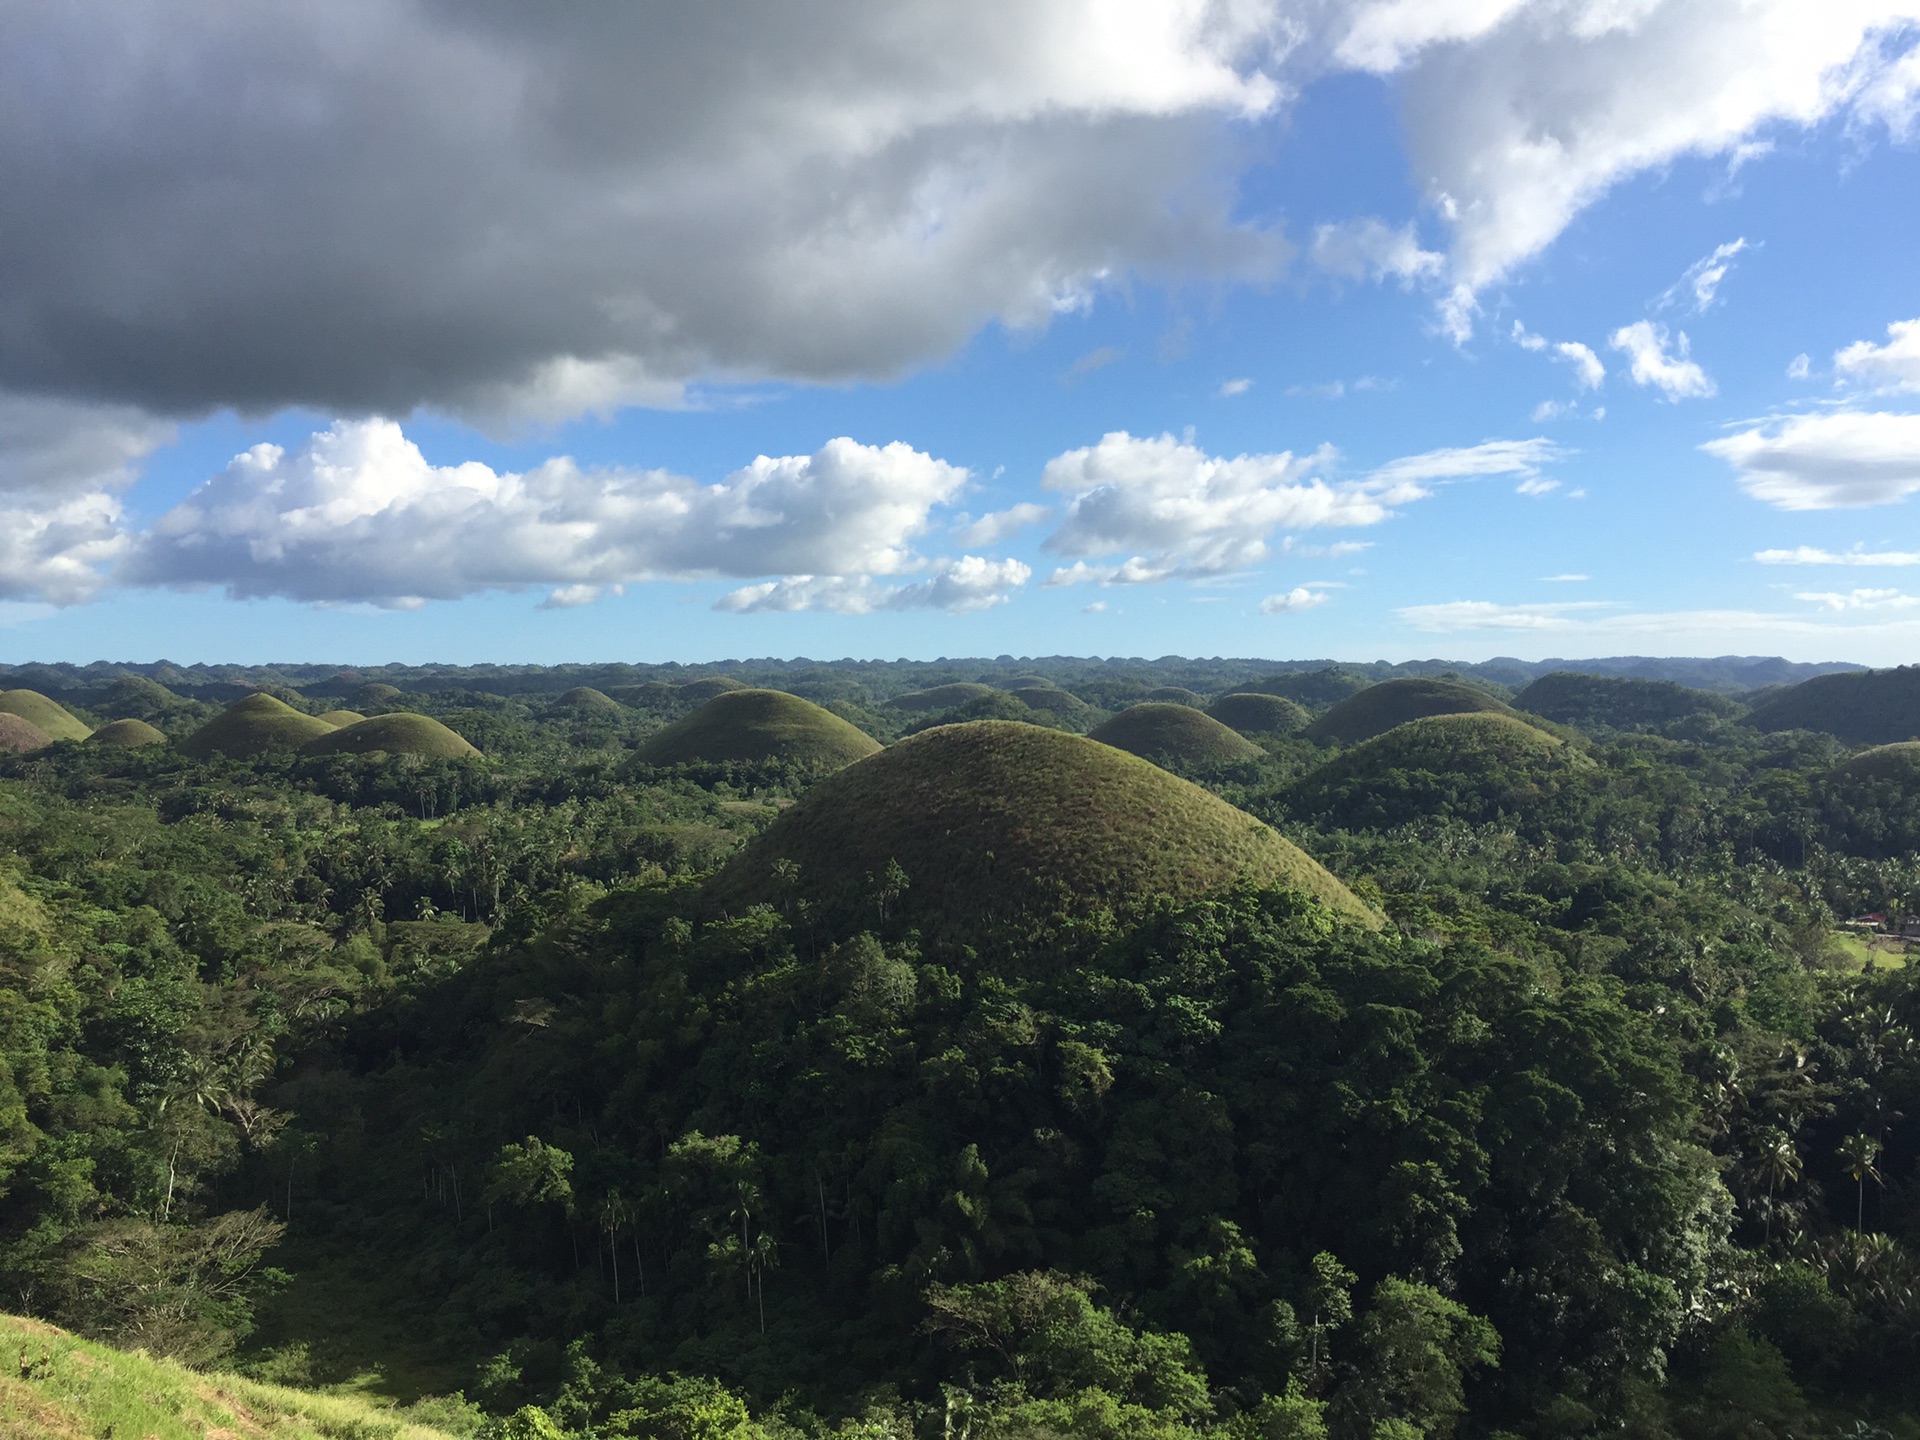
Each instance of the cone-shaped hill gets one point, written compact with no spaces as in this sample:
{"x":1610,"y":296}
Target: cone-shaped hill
{"x":1862,"y":707}
{"x":707,"y":689}
{"x":339,"y":718}
{"x":589,"y":700}
{"x":1175,"y":734}
{"x":753,"y":726}
{"x":43,"y":714}
{"x":1048,"y":697}
{"x":1898,"y":762}
{"x":20,"y":736}
{"x":1617,"y":702}
{"x":401,"y":734}
{"x":254,"y":726}
{"x":994,"y":819}
{"x":370,"y":696}
{"x":942,"y":697}
{"x":1253,"y":714}
{"x":1378,"y":708}
{"x":127,"y":733}
{"x":1174,"y":695}
{"x":1471,"y":766}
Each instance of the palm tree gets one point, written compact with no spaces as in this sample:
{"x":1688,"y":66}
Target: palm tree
{"x":1859,"y":1152}
{"x":1779,"y":1162}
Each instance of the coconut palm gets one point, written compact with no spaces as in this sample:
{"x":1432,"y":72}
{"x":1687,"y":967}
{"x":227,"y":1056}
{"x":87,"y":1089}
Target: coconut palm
{"x":1859,"y":1152}
{"x":1778,"y":1161}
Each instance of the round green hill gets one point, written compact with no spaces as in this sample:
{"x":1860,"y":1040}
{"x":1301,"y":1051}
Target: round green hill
{"x":752,"y":726}
{"x":340,"y":718}
{"x":1050,"y":698}
{"x":19,"y":736}
{"x":1257,"y":714}
{"x":253,"y":726}
{"x":43,"y":714}
{"x":1899,"y":761}
{"x":1175,"y":695}
{"x":942,"y":697}
{"x":707,"y":689}
{"x":376,"y":694}
{"x":134,"y":697}
{"x":585,"y":697}
{"x":1862,"y":707}
{"x":1470,"y":766}
{"x":1379,"y":708}
{"x":1175,"y":734}
{"x":1617,"y":702}
{"x":401,"y":734}
{"x":994,"y":820}
{"x":127,"y":733}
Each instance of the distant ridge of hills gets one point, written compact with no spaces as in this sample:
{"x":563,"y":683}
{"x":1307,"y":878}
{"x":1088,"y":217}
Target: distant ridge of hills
{"x":822,"y":680}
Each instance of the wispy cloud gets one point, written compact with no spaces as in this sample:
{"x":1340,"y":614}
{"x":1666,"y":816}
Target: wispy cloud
{"x":1858,"y":555}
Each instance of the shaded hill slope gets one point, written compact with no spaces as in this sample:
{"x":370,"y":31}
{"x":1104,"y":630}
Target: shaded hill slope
{"x":1606,"y":702}
{"x":1863,"y":707}
{"x":1252,"y":713}
{"x":1471,"y":766}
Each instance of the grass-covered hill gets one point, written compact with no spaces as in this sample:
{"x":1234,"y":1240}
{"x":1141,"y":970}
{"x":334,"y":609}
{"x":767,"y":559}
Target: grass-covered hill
{"x":1862,"y":707}
{"x":127,"y":732}
{"x":1899,"y":761}
{"x":254,"y":726}
{"x":1175,"y":734}
{"x":1174,"y":695}
{"x":740,"y":726}
{"x":1379,"y":708}
{"x":66,"y":1388}
{"x":993,"y":820}
{"x":941,"y":697}
{"x":44,"y":714}
{"x":1050,"y":698}
{"x":586,"y":698}
{"x":1610,"y":702}
{"x":339,"y":718}
{"x":1315,"y":689}
{"x":372,"y":696}
{"x":700,"y":691}
{"x":401,"y":734}
{"x":1468,"y":766}
{"x":1259,"y":714}
{"x":20,"y":736}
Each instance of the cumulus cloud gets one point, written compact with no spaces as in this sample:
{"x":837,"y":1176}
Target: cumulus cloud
{"x":1838,"y":460}
{"x":1858,"y":555}
{"x":1700,"y":286}
{"x":1894,"y":365}
{"x":375,"y":204}
{"x":1674,"y":375}
{"x":968,"y":583}
{"x":1001,"y":524}
{"x":1298,"y":598}
{"x":1588,"y":372}
{"x":1370,"y":249}
{"x":358,"y":514}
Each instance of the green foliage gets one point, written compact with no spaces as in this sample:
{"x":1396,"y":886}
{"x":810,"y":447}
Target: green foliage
{"x":1416,"y":1348}
{"x":942,"y":697}
{"x":1473,"y":767}
{"x":1598,"y":703}
{"x":1864,"y":707}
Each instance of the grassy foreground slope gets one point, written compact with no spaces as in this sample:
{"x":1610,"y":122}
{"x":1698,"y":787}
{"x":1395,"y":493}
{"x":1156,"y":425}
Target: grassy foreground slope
{"x":1176,"y":733}
{"x":66,"y":1388}
{"x":753,"y":726}
{"x":254,"y":726}
{"x":1378,"y":708}
{"x":1862,"y":707}
{"x":37,"y":710}
{"x":995,"y":819}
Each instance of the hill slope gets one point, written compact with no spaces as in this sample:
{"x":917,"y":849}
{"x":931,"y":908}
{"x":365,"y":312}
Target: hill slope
{"x":1258,"y":714}
{"x":1378,"y":708}
{"x":254,"y":726}
{"x":1175,"y":733}
{"x":44,"y":714}
{"x":21,"y":737}
{"x":1899,"y":761}
{"x":753,"y":726}
{"x":585,"y":697}
{"x":66,"y":1388}
{"x":401,"y":734}
{"x":1864,"y":707}
{"x":127,"y":732}
{"x":1471,"y":766}
{"x":942,"y":697}
{"x":994,"y":819}
{"x":709,"y":688}
{"x":1608,"y":702}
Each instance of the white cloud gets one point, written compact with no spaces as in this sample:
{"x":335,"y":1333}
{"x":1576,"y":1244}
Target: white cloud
{"x":1338,"y":550}
{"x":1456,"y":615}
{"x":1569,"y":579}
{"x":1298,"y":598}
{"x":1550,"y":410}
{"x":1493,"y":457}
{"x":1895,"y":365}
{"x":1842,"y":600}
{"x":571,"y":597}
{"x":966,"y":584}
{"x":1536,"y":485}
{"x":1675,"y":376}
{"x":1588,"y":372}
{"x":1001,"y":524}
{"x":1799,"y":367}
{"x":1838,"y":460}
{"x":1526,"y":339}
{"x":1370,"y":249}
{"x":357,"y":513}
{"x":55,"y":548}
{"x":1700,"y":285}
{"x":1858,"y":555}
{"x":1231,"y":388}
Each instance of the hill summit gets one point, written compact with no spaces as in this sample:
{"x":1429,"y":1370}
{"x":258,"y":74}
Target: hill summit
{"x":755,"y":726}
{"x":1175,"y":733}
{"x":994,"y":819}
{"x":403,"y":733}
{"x":43,"y":714}
{"x":1378,"y":708}
{"x":254,"y":726}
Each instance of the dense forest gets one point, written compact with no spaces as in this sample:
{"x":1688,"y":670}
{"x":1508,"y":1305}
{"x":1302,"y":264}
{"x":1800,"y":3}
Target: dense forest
{"x":952,"y":1050}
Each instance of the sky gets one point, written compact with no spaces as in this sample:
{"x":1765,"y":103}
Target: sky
{"x":387,"y":330}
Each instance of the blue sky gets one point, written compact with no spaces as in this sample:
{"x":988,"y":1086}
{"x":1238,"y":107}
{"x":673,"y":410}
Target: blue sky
{"x":1365,"y":330}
